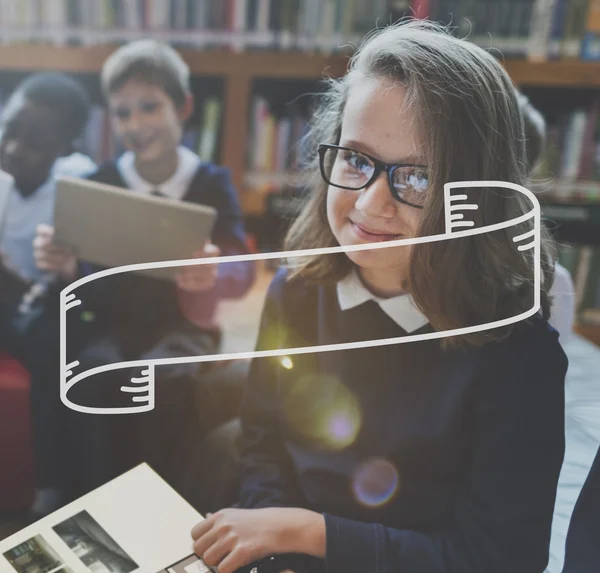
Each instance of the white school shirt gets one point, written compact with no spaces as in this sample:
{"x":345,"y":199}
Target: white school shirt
{"x":404,"y":312}
{"x":175,"y":187}
{"x":24,"y":214}
{"x":401,"y":309}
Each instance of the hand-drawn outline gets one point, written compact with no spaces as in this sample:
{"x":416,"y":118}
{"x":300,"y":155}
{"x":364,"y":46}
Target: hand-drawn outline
{"x":454,"y":219}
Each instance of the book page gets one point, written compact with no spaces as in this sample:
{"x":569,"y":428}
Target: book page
{"x":136,"y":522}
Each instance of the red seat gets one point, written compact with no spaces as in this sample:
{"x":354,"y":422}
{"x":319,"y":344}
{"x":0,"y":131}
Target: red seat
{"x":16,"y":451}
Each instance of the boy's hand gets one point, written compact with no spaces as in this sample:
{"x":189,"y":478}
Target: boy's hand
{"x":233,"y":538}
{"x":199,"y":278}
{"x":56,"y":259}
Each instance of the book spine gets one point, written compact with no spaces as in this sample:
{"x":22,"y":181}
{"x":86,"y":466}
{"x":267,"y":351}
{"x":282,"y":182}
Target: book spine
{"x":590,"y":45}
{"x":264,"y":11}
{"x":420,"y":8}
{"x":210,"y":131}
{"x":573,"y":145}
{"x":587,"y":154}
{"x":558,"y":27}
{"x":592,"y":284}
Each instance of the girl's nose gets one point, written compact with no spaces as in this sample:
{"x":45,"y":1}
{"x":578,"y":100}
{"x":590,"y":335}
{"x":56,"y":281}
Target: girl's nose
{"x":377,"y":200}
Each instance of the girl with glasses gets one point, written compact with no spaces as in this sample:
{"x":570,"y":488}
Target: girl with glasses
{"x":441,"y":455}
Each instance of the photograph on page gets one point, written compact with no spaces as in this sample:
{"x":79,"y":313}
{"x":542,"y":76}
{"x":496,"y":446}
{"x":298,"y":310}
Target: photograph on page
{"x":134,"y":523}
{"x":93,"y":545}
{"x":36,"y":555}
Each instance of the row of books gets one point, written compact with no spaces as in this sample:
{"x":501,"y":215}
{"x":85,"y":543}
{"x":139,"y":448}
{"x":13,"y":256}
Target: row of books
{"x":537,"y":29}
{"x":534,"y":28}
{"x":308,"y":24}
{"x":572,"y":154}
{"x":100,"y":144}
{"x":583,"y":262}
{"x":275,"y":144}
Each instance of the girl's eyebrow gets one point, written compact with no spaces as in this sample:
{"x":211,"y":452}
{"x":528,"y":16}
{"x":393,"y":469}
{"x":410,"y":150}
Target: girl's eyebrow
{"x":408,"y":159}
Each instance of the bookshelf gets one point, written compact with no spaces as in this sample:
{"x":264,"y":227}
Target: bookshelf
{"x":237,"y":74}
{"x":239,"y":69}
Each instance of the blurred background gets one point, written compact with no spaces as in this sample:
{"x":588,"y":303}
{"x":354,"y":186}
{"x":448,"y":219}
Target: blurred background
{"x":258,"y":64}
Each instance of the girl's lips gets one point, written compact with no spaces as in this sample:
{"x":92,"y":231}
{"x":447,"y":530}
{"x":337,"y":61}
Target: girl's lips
{"x":371,"y":236}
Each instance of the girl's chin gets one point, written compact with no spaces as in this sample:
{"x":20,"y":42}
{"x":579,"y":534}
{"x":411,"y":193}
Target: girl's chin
{"x":375,"y":260}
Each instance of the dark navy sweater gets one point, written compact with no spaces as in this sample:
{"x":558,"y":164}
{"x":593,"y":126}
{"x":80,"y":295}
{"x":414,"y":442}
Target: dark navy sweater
{"x":134,"y":304}
{"x":454,"y":464}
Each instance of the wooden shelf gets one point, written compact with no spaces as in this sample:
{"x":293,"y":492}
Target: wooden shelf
{"x":29,"y":57}
{"x":239,"y":69}
{"x":561,"y":73}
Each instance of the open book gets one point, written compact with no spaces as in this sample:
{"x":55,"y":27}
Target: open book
{"x":135,"y":523}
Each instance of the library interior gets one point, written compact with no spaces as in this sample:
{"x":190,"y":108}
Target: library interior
{"x":258,"y":71}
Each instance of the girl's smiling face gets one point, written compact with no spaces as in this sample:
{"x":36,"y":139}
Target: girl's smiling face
{"x":375,"y":122}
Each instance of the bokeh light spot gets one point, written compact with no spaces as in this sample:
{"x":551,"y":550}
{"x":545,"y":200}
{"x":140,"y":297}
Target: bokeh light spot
{"x":375,"y":482}
{"x":287,"y":363}
{"x":322,"y":410}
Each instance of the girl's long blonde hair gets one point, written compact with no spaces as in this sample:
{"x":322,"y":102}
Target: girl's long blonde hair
{"x":466,"y":109}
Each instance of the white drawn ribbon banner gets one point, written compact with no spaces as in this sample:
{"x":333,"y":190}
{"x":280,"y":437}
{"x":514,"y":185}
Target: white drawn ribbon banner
{"x":457,"y":225}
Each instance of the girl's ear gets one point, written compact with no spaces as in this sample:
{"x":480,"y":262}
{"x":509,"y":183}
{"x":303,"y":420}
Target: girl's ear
{"x":187,"y":108}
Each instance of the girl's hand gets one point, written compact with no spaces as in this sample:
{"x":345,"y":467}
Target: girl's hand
{"x":233,"y":538}
{"x":55,"y":259}
{"x":200,"y":278}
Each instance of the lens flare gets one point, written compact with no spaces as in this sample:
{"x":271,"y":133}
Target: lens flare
{"x":320,"y":409}
{"x":287,"y":363}
{"x":375,"y":482}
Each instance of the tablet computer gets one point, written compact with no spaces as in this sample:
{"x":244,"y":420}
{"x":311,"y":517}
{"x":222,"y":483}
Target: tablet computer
{"x":113,"y":227}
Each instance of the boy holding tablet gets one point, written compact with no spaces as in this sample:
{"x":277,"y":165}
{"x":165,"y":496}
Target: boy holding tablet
{"x":135,"y":317}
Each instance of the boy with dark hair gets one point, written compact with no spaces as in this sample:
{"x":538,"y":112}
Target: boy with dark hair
{"x":135,"y":317}
{"x":41,"y":120}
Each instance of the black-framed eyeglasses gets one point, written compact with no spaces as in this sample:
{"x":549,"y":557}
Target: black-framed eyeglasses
{"x":350,"y":169}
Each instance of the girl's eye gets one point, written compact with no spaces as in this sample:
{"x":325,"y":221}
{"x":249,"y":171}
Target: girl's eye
{"x":356,"y":161}
{"x":411,"y":179}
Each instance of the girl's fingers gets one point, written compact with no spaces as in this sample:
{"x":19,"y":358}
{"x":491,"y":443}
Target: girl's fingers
{"x":202,"y":528}
{"x":217,"y":552}
{"x":235,"y":560}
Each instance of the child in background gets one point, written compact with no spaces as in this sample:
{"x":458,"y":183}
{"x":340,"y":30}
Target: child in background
{"x":562,"y":313}
{"x":40,"y":122}
{"x":131,"y":316}
{"x":440,"y":455}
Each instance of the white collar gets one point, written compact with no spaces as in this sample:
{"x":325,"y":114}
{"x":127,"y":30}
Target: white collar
{"x":401,"y":309}
{"x":175,"y":187}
